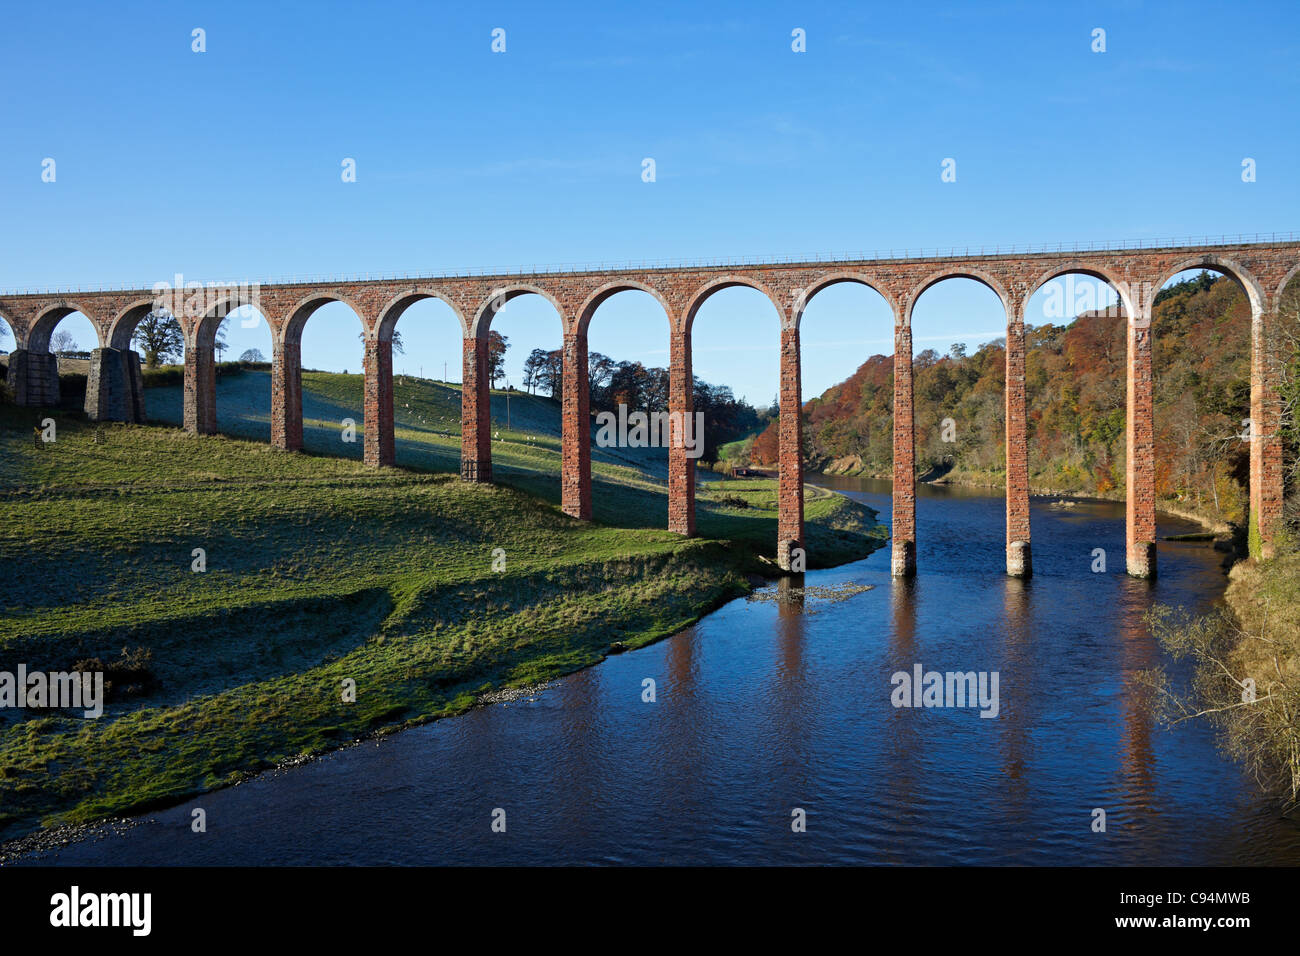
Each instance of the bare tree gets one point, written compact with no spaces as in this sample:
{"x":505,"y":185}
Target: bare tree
{"x":62,"y":341}
{"x":1240,"y":681}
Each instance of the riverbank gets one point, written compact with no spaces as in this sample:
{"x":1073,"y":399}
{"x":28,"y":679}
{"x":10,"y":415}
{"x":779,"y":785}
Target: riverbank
{"x":259,"y":608}
{"x":1209,"y":522}
{"x":768,"y":704}
{"x":1265,"y":597}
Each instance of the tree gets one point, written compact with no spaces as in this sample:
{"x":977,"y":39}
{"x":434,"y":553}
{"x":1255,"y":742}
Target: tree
{"x":159,"y":336}
{"x":497,"y":345}
{"x":252,"y":355}
{"x":398,"y":347}
{"x":550,"y":375}
{"x":220,"y":343}
{"x":533,"y":366}
{"x":600,"y":369}
{"x":62,"y":341}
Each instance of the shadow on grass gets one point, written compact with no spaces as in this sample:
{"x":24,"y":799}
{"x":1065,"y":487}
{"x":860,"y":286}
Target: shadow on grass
{"x":217,"y":649}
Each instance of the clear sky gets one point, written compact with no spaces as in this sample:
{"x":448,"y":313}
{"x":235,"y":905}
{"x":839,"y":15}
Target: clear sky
{"x":226,"y":164}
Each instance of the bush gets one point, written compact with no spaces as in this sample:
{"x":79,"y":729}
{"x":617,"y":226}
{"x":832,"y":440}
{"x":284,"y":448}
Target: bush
{"x":1246,"y":683}
{"x":163,"y":375}
{"x":128,"y":676}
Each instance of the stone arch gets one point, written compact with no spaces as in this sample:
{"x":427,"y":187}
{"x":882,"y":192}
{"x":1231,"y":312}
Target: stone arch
{"x":296,"y":320}
{"x":122,"y":328}
{"x":1277,"y":296}
{"x":497,"y":299}
{"x":836,"y":278}
{"x":38,"y":336}
{"x":1212,"y":263}
{"x":700,"y":295}
{"x":394,"y":308}
{"x":611,"y":289}
{"x":203,"y":329}
{"x":1093,"y":271}
{"x":18,"y":332}
{"x":205,"y":324}
{"x":956,"y":272}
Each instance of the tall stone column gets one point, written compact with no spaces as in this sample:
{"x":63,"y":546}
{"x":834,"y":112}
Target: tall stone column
{"x":576,"y":429}
{"x":200,"y":415}
{"x":33,"y":378}
{"x":135,"y":386}
{"x":903,"y":558}
{"x":475,"y":413}
{"x":1140,"y":474}
{"x":1019,"y":561}
{"x":1266,"y":481}
{"x":115,"y":386}
{"x":380,"y":449}
{"x":681,"y":409}
{"x":789,"y":522}
{"x":286,"y":396}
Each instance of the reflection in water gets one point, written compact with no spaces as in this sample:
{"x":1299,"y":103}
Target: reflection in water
{"x":1018,"y":709}
{"x":787,"y":703}
{"x":1137,"y":652}
{"x":904,"y":743}
{"x":768,"y":705}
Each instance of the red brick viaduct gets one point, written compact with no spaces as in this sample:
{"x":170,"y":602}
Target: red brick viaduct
{"x":114,"y":389}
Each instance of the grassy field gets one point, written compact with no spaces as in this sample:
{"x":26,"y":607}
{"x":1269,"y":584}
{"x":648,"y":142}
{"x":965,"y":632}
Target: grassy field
{"x":319,"y":571}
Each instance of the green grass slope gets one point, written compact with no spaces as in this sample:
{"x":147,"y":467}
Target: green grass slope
{"x":318,"y":571}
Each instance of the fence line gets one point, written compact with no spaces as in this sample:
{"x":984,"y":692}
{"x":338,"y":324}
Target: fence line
{"x":879,"y":255}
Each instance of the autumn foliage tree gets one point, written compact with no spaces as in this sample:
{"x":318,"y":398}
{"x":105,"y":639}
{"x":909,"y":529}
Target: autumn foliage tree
{"x":1076,"y":395}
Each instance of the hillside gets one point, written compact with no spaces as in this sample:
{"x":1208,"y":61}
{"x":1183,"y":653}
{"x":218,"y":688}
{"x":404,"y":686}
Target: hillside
{"x":1076,"y":393}
{"x":319,"y":570}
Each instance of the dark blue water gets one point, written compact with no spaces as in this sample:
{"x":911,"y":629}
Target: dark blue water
{"x":766,"y":706}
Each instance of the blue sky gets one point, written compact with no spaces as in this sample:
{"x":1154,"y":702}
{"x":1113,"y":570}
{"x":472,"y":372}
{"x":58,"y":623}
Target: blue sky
{"x":226,"y":164}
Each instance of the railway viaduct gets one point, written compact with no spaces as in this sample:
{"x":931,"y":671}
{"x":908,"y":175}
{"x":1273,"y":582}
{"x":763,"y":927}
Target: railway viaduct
{"x":114,"y":389}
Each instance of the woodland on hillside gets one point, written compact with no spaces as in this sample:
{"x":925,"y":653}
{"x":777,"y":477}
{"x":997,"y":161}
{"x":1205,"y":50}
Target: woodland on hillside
{"x":1076,"y":393}
{"x":643,"y":388}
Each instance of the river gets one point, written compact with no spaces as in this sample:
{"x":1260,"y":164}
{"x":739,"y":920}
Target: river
{"x":766,"y":707}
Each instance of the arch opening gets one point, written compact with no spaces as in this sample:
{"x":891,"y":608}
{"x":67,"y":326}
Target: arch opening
{"x":525,"y":428}
{"x":628,"y":375}
{"x":735,"y":336}
{"x":231,"y":368}
{"x":1076,"y":364}
{"x":328,"y":335}
{"x":55,"y":367}
{"x":847,"y":338}
{"x":8,"y":344}
{"x":1201,"y":343}
{"x":741,"y":353}
{"x":424,"y":336}
{"x":1180,"y":272}
{"x":958,"y":391}
{"x":724,"y":286}
{"x":1285,"y":341}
